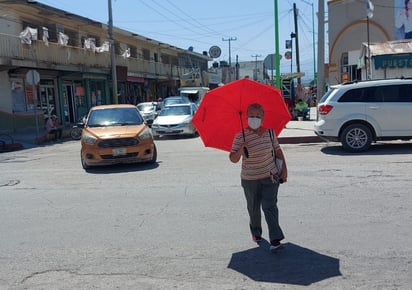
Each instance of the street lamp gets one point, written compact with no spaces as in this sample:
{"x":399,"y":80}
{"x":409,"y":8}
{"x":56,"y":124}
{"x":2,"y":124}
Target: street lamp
{"x":369,"y":14}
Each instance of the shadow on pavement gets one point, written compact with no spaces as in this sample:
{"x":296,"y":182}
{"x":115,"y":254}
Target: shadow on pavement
{"x":386,"y":148}
{"x":292,"y":265}
{"x":7,"y":143}
{"x":121,"y":168}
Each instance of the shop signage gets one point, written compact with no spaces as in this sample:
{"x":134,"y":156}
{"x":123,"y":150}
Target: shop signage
{"x":395,"y":61}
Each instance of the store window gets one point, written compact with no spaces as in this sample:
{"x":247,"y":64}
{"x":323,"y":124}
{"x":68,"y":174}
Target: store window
{"x":80,"y":103}
{"x":18,"y":96}
{"x":47,"y":100}
{"x":97,"y":92}
{"x":348,"y":72}
{"x":146,"y":54}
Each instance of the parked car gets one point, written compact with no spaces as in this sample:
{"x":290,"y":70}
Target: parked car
{"x":116,"y":134}
{"x":175,"y":119}
{"x":175,"y":100}
{"x":359,"y":113}
{"x":148,"y":110}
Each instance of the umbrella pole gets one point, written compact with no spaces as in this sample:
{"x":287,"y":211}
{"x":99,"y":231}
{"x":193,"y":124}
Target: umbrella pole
{"x":244,"y":139}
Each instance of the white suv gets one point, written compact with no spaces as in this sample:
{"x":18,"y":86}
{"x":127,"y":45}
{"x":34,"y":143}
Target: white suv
{"x":359,"y":113}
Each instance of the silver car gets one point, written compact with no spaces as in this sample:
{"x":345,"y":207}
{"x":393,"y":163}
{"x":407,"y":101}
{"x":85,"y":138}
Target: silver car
{"x":175,"y":120}
{"x":176,"y":100}
{"x":359,"y":113}
{"x":148,"y":110}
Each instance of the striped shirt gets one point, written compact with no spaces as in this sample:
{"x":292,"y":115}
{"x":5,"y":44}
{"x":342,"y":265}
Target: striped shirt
{"x":260,"y":163}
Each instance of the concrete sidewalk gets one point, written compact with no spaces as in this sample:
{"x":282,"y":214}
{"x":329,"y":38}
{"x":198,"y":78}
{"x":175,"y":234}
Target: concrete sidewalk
{"x":299,"y":132}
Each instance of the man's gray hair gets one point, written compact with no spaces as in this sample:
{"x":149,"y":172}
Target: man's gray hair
{"x":256,"y":106}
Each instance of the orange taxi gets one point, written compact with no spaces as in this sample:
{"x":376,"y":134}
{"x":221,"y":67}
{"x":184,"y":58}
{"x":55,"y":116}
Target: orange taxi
{"x":115,"y":134}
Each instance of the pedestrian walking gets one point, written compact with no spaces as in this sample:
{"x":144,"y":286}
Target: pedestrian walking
{"x":260,"y":179}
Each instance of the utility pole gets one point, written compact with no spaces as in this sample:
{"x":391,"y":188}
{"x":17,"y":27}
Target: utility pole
{"x":321,"y":49}
{"x":369,"y":14}
{"x":292,"y":36}
{"x":295,"y":17}
{"x":112,"y":55}
{"x":237,"y":66}
{"x":230,"y":39}
{"x":313,"y":40}
{"x":255,"y":75}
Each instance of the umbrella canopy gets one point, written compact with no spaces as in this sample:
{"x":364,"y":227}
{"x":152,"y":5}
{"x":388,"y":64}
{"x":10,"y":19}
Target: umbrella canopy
{"x":223,"y":111}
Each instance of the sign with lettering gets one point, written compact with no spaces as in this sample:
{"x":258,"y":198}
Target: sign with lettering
{"x":394,"y":61}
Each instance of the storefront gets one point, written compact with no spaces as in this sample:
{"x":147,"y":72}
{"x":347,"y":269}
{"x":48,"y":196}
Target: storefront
{"x":392,"y":59}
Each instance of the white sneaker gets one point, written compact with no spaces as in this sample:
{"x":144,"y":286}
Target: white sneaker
{"x":275,"y":246}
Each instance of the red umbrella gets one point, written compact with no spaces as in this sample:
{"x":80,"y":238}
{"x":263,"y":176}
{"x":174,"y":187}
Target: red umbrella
{"x":222,"y":112}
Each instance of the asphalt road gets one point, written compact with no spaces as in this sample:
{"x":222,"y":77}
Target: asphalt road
{"x":182,"y":223}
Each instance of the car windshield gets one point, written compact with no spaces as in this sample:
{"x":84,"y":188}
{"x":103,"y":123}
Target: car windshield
{"x":114,"y":117}
{"x":146,"y":107}
{"x":175,"y":100}
{"x":175,"y":111}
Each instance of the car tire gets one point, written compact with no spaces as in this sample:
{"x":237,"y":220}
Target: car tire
{"x":154,"y":158}
{"x":356,"y":138}
{"x":76,"y":133}
{"x":84,"y":164}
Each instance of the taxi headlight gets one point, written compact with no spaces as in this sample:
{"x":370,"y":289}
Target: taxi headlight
{"x":146,"y":134}
{"x":88,"y":138}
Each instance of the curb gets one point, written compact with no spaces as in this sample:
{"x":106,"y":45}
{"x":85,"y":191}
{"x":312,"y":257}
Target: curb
{"x":297,"y":140}
{"x":11,"y":147}
{"x":45,"y":138}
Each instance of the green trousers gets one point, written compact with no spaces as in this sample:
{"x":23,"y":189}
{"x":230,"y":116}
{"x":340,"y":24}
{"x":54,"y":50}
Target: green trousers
{"x":263,"y":193}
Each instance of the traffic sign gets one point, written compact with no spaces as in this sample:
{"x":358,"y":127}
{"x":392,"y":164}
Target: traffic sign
{"x":32,"y":77}
{"x":270,"y":61}
{"x":215,"y":51}
{"x":288,"y":55}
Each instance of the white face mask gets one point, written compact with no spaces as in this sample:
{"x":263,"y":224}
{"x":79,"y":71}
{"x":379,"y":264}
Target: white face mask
{"x":254,"y":122}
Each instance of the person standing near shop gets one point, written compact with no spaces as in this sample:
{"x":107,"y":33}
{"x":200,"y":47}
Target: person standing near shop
{"x":52,"y":126}
{"x":256,"y":148}
{"x":301,"y":109}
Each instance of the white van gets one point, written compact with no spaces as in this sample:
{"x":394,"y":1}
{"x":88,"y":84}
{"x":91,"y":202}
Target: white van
{"x":359,"y":113}
{"x":195,"y":94}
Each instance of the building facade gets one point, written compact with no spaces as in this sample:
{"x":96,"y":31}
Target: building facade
{"x":54,"y":62}
{"x":369,"y":40}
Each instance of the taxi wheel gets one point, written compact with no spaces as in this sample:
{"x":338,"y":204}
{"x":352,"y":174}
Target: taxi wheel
{"x":154,"y":158}
{"x":84,"y":164}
